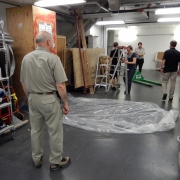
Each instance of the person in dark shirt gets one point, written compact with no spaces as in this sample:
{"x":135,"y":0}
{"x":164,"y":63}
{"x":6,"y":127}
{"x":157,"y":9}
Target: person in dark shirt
{"x":169,"y":68}
{"x":114,"y":58}
{"x":131,"y":66}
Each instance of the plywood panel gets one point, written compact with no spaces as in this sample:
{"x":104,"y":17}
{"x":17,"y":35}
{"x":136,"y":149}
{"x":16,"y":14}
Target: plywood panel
{"x":41,"y":15}
{"x":68,"y":63}
{"x":93,"y":55}
{"x":20,"y":27}
{"x":61,"y":44}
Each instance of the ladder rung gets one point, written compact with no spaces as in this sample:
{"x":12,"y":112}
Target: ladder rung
{"x":101,"y":76}
{"x":101,"y":84}
{"x":103,"y":65}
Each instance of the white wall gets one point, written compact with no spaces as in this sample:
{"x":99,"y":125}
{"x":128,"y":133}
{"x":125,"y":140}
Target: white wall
{"x":3,"y":7}
{"x":154,"y":39}
{"x":97,"y":31}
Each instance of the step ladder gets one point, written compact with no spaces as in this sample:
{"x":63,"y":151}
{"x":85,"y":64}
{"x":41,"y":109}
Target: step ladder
{"x":103,"y":76}
{"x":102,"y":71}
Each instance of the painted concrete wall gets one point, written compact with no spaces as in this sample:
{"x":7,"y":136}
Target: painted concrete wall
{"x":154,"y":40}
{"x":3,"y":7}
{"x":97,"y":31}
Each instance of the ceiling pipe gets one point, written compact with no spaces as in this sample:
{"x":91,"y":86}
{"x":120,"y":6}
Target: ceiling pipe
{"x":91,"y":3}
{"x":96,"y":15}
{"x":114,"y":5}
{"x":11,"y":3}
{"x":144,"y":9}
{"x":152,"y":2}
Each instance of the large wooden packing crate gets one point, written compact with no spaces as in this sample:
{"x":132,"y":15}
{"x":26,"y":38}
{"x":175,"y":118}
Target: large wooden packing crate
{"x":61,"y":45}
{"x":23,"y":25}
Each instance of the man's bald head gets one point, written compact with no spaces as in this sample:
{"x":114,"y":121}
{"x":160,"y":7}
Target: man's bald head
{"x":45,"y":40}
{"x":43,"y":36}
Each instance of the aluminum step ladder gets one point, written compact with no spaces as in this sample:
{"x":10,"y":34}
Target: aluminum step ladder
{"x":107,"y":66}
{"x":102,"y":71}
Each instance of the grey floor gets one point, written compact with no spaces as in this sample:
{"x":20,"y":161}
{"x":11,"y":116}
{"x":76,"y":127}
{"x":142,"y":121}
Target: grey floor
{"x":102,"y":156}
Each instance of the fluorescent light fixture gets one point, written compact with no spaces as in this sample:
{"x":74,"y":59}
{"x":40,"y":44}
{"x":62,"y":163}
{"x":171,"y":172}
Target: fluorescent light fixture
{"x":115,"y":28}
{"x":175,"y":19}
{"x":133,"y":27}
{"x":109,"y":22}
{"x":48,"y":3}
{"x":168,"y":11}
{"x":127,"y":35}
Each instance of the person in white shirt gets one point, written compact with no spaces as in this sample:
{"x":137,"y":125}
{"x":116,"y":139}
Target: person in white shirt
{"x":140,"y":51}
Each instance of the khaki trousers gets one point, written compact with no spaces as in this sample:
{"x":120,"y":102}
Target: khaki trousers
{"x":46,"y":109}
{"x":166,"y":76}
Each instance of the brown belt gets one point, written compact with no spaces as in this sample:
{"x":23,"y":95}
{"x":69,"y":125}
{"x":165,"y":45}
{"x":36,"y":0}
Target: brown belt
{"x":47,"y":93}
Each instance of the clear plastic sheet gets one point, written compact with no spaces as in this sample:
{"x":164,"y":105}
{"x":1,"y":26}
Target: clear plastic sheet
{"x":117,"y":116}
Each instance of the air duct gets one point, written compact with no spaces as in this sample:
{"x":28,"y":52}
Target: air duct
{"x":114,"y":5}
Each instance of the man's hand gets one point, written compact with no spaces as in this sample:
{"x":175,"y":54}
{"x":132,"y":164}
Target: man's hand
{"x":162,"y":70}
{"x":65,"y":109}
{"x":178,"y":72}
{"x":139,"y":55}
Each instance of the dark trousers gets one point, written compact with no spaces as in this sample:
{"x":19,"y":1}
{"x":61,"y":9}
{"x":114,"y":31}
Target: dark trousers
{"x":112,"y":71}
{"x":139,"y":62}
{"x":130,"y":77}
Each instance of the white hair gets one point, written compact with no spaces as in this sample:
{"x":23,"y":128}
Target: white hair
{"x":42,"y":37}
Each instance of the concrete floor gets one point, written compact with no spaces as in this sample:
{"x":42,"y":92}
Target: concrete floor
{"x":102,"y":156}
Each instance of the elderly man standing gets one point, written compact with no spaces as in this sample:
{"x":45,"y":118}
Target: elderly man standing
{"x":169,"y":68}
{"x":140,"y":51}
{"x":42,"y":75}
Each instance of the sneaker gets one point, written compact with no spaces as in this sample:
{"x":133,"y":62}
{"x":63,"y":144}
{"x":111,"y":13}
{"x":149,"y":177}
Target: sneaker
{"x":164,"y":97}
{"x":38,"y":164}
{"x":63,"y":163}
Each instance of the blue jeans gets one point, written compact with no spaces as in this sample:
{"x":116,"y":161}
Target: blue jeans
{"x":130,"y":77}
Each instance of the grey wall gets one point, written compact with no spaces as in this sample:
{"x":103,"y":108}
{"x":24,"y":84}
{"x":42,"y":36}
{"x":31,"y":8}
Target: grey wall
{"x":110,"y":41}
{"x":3,"y":7}
{"x":63,"y":28}
{"x":156,"y":39}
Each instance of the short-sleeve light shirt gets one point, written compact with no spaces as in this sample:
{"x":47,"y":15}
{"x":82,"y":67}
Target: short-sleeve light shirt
{"x":41,"y":70}
{"x":140,"y":51}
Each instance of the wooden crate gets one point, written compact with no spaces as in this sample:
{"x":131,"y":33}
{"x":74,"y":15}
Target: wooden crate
{"x":158,"y":58}
{"x":160,"y":55}
{"x":68,"y":64}
{"x":23,"y":25}
{"x":61,"y":44}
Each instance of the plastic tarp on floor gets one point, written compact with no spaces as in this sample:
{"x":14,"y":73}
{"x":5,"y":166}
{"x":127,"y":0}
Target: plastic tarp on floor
{"x":117,"y":116}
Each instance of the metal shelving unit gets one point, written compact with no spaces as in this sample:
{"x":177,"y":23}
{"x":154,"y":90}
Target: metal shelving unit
{"x":4,"y":49}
